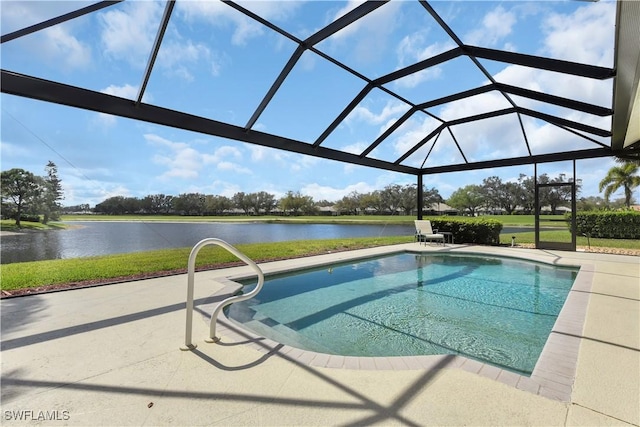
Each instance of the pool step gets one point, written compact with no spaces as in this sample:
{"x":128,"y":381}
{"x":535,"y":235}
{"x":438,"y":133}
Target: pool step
{"x":285,"y":335}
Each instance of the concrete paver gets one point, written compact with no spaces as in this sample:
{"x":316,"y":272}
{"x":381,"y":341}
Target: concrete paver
{"x":110,"y":356}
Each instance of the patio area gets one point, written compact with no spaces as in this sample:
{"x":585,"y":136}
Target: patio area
{"x":110,"y":355}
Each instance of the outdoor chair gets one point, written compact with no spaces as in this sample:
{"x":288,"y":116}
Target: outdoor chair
{"x":425,"y":233}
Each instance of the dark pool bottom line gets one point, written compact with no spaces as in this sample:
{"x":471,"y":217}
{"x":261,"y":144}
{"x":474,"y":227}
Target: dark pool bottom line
{"x":451,"y":351}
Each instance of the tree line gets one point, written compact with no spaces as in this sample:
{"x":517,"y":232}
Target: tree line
{"x":391,"y":199}
{"x":492,"y":195}
{"x":259,"y":203}
{"x":26,"y":195}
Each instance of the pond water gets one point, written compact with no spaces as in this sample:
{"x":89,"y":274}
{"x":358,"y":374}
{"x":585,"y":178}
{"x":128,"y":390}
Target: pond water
{"x":89,"y":238}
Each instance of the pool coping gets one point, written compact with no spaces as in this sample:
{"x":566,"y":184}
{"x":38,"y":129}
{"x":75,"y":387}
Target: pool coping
{"x":553,"y":375}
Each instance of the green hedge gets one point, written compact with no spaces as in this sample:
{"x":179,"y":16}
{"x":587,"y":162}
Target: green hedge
{"x":30,"y":218}
{"x":608,"y":224}
{"x":470,"y":230}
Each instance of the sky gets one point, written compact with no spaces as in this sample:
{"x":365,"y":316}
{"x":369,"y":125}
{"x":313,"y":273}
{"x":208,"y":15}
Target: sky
{"x":217,"y":63}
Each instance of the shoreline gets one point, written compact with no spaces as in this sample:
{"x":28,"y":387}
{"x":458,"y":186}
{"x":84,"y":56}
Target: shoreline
{"x":39,"y":230}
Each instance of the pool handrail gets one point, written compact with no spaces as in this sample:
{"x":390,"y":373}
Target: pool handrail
{"x":191,"y":267}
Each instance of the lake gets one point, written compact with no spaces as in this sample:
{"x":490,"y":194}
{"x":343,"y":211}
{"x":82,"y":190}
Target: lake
{"x":90,"y":238}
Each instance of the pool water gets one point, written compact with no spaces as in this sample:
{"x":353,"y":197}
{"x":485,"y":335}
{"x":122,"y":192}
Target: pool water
{"x":496,"y":310}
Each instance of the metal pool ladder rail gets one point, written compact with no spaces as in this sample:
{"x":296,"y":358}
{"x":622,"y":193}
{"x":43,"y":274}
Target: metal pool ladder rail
{"x":188,"y":344}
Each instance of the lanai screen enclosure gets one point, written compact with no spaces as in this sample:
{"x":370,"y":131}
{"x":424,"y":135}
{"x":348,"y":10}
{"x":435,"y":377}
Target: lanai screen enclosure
{"x":489,"y":102}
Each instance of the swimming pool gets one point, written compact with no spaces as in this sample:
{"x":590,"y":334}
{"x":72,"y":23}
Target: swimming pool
{"x":495,"y":310}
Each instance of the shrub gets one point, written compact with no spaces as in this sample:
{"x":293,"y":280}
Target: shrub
{"x":29,"y":218}
{"x":607,"y":224}
{"x":470,"y":230}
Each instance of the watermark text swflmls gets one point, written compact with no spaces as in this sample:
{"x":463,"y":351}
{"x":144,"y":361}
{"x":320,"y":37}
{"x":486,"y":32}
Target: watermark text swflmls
{"x":32,"y":415}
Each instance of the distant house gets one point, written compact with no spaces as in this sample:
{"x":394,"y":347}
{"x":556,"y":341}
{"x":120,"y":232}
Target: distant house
{"x":439,"y":209}
{"x":328,"y":211}
{"x":491,"y":211}
{"x":560,"y":210}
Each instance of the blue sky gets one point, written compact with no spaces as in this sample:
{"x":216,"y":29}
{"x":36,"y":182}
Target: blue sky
{"x":217,"y":63}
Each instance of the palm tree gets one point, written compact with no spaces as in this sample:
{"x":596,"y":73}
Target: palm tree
{"x":629,"y":157}
{"x":624,"y":176}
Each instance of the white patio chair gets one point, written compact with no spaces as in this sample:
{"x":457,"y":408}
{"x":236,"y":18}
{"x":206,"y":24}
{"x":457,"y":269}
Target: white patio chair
{"x":425,"y":233}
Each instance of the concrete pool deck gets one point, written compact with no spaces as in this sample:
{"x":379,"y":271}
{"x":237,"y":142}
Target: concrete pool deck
{"x":110,"y":355}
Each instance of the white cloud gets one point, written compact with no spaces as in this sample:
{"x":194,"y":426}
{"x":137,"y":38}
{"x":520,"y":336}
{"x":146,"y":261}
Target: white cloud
{"x":182,"y":72}
{"x":221,"y":188}
{"x":57,"y":45}
{"x":415,"y":79}
{"x":527,"y":78}
{"x":228,"y":151}
{"x":348,"y":7}
{"x":585,"y":36}
{"x":105,"y":120}
{"x":274,"y":11}
{"x":257,"y":152}
{"x":174,"y":55}
{"x":496,"y":25}
{"x":412,"y":49}
{"x":587,"y":90}
{"x":495,"y":138}
{"x":391,"y":110}
{"x":300,"y":162}
{"x":591,"y":172}
{"x":113,"y":191}
{"x":350,"y":168}
{"x":502,"y":137}
{"x":62,"y":47}
{"x":78,"y":189}
{"x":368,"y":38}
{"x":184,"y":161}
{"x":473,"y":105}
{"x":260,"y":127}
{"x":219,"y":14}
{"x":265,"y":155}
{"x":128,"y":32}
{"x":355,"y":148}
{"x":125,"y":91}
{"x":412,"y":132}
{"x":20,"y":14}
{"x":324,"y":192}
{"x":545,"y":137}
{"x":509,"y":47}
{"x":233,"y":167}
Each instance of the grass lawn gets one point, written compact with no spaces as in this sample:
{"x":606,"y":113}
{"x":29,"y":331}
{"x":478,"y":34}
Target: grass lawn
{"x":10,"y":225}
{"x":75,"y":270}
{"x":564,"y":236}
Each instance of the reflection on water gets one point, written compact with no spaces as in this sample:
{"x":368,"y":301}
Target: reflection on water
{"x":101,"y":238}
